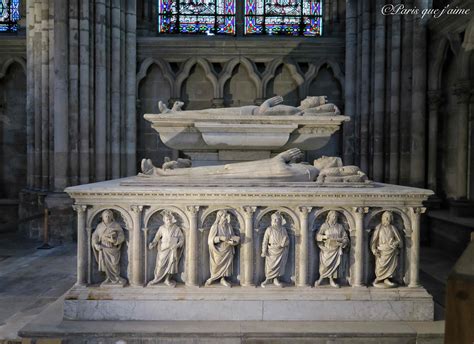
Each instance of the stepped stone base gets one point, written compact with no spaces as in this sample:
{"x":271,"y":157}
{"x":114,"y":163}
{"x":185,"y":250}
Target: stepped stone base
{"x":240,"y":303}
{"x":49,"y":326}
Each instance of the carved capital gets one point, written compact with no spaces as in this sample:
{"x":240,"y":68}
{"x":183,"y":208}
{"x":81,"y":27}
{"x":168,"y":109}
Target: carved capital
{"x":248,"y":210}
{"x":80,"y":209}
{"x":192,"y":209}
{"x":360,"y":210}
{"x":435,"y":99}
{"x":417,"y":211}
{"x":462,"y":91}
{"x":137,"y":209}
{"x":304,"y":210}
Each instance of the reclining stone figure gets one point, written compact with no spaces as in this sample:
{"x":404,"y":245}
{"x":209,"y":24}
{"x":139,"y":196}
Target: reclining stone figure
{"x":314,"y":105}
{"x":281,"y":168}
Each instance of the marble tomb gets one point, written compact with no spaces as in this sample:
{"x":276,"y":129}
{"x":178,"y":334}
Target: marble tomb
{"x":271,"y":239}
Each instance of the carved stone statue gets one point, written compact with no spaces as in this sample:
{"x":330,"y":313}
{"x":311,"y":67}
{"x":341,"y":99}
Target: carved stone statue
{"x":275,"y":250}
{"x":315,"y":105}
{"x":281,"y":168}
{"x":331,"y":239}
{"x":169,"y":241}
{"x":107,"y":241}
{"x":222,"y":241}
{"x":385,"y":245}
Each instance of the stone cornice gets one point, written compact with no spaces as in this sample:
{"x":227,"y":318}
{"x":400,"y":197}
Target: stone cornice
{"x":182,"y":48}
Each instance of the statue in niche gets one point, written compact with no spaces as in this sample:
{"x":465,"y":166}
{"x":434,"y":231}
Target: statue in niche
{"x":284,"y":167}
{"x":275,"y":250}
{"x":107,"y":241}
{"x":169,"y":241}
{"x":385,"y":245}
{"x":332,"y":239}
{"x":310,"y":106}
{"x":222,"y":241}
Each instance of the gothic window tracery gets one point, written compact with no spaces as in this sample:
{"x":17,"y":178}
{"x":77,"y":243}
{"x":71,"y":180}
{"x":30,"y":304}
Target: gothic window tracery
{"x":196,"y":16}
{"x":9,"y":15}
{"x":260,"y":17}
{"x":283,"y":17}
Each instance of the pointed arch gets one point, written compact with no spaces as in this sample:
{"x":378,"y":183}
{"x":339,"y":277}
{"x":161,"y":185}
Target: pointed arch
{"x":251,"y":70}
{"x":6,"y":65}
{"x":435,"y":69}
{"x":163,"y":65}
{"x":292,"y":68}
{"x":316,"y":66}
{"x":186,"y":70}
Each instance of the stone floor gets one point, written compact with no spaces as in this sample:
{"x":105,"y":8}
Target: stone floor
{"x":31,"y":279}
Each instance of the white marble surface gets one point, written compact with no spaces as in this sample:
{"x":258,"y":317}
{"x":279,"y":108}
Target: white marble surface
{"x":239,"y":303}
{"x":267,"y":310}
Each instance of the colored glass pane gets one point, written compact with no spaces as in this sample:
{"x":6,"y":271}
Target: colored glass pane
{"x":283,"y":17}
{"x":9,"y":15}
{"x":196,"y":16}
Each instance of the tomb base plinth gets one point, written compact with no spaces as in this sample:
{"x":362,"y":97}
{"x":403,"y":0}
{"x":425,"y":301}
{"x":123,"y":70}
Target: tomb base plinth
{"x":241,"y":303}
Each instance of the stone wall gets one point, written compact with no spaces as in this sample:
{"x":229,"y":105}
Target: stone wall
{"x":12,"y":128}
{"x":239,"y":72}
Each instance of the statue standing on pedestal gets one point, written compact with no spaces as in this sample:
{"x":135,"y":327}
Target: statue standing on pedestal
{"x":169,"y":240}
{"x":275,"y":250}
{"x":331,"y":239}
{"x":385,"y":245}
{"x":107,"y":241}
{"x":222,"y":242}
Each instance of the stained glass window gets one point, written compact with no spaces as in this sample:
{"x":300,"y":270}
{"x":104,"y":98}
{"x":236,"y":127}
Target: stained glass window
{"x":196,"y":16}
{"x":283,"y":17}
{"x":9,"y":15}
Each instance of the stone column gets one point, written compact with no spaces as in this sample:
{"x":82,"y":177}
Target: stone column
{"x":471,"y":147}
{"x":379,"y":95}
{"x":82,"y":258}
{"x":358,"y":213}
{"x":89,"y":254}
{"x":304,"y":247}
{"x":192,"y":248}
{"x":247,"y":248}
{"x":415,"y":246}
{"x":61,"y":96}
{"x":351,"y":80}
{"x":434,"y":101}
{"x":365,"y":82}
{"x":462,"y":92}
{"x":395,"y":64}
{"x":137,"y":257}
{"x":418,"y":99}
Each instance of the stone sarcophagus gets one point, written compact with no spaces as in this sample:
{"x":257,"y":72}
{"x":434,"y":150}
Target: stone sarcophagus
{"x":149,"y":249}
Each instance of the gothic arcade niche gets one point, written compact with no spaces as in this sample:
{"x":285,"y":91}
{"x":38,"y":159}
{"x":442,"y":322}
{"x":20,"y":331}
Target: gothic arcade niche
{"x":12,"y":128}
{"x":109,"y":237}
{"x":207,"y":82}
